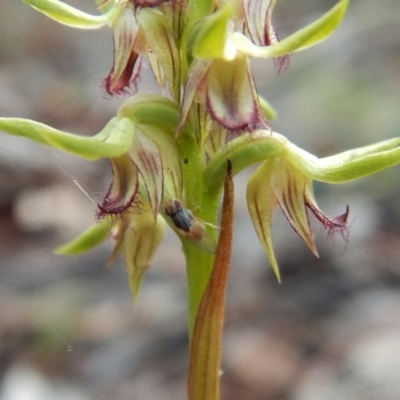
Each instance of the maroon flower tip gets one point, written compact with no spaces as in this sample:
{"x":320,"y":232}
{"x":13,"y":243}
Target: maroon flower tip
{"x":148,"y":3}
{"x":106,"y":210}
{"x":333,"y":225}
{"x":123,"y":84}
{"x":282,"y":63}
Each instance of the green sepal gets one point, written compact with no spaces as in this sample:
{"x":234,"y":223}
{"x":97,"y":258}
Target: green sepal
{"x":242,"y":152}
{"x":349,"y":165}
{"x":70,"y":16}
{"x":212,"y":37}
{"x":88,"y":240}
{"x":115,"y":139}
{"x":269,"y":111}
{"x":147,"y":109}
{"x":106,"y":5}
{"x":304,"y":38}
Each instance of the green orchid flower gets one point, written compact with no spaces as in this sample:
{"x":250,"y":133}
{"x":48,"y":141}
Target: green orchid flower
{"x":147,"y":173}
{"x":220,"y":47}
{"x":285,"y":179}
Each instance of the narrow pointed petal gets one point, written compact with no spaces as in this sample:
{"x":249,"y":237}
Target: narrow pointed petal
{"x":172,"y":168}
{"x":147,"y":159}
{"x":197,"y":74}
{"x":307,"y":37}
{"x":255,"y":12}
{"x":259,"y":23}
{"x":157,"y":70}
{"x":114,"y":140}
{"x":141,"y":240}
{"x":89,"y":239}
{"x":290,"y":193}
{"x":161,"y":39}
{"x":117,"y":233}
{"x":127,"y":62}
{"x":261,"y":203}
{"x":123,"y":188}
{"x":231,"y":95}
{"x":217,"y":139}
{"x":67,"y":15}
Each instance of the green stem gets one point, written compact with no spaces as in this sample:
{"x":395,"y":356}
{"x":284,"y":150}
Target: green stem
{"x":198,"y":269}
{"x":204,"y":205}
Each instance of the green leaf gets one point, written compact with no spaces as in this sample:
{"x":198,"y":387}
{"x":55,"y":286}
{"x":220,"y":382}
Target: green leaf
{"x":70,"y":16}
{"x":89,"y":239}
{"x":304,"y":38}
{"x":114,"y":140}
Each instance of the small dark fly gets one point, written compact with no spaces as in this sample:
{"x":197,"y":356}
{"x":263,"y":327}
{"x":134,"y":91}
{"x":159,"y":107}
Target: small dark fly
{"x":189,"y":226}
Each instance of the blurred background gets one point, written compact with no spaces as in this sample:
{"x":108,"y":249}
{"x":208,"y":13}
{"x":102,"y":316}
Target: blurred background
{"x":68,"y":328}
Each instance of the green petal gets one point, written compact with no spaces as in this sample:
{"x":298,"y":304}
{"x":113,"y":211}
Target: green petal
{"x":146,"y":156}
{"x":197,"y":74}
{"x":168,"y":150}
{"x":162,"y":41}
{"x":89,"y":239}
{"x":261,"y":203}
{"x":307,"y":37}
{"x":67,"y":15}
{"x":216,"y":139}
{"x":290,"y":190}
{"x":141,"y":240}
{"x":125,"y":31}
{"x":114,"y":140}
{"x":123,"y":188}
{"x":235,"y":106}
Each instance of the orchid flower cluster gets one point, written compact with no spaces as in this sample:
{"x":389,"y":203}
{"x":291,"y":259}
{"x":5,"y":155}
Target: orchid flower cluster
{"x":174,"y":155}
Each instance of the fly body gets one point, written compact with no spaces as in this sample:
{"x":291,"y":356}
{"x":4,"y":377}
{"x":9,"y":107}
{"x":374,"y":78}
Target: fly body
{"x":181,"y":216}
{"x":189,"y":226}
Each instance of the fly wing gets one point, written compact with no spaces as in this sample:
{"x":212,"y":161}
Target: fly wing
{"x":207,"y":244}
{"x":200,"y":238}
